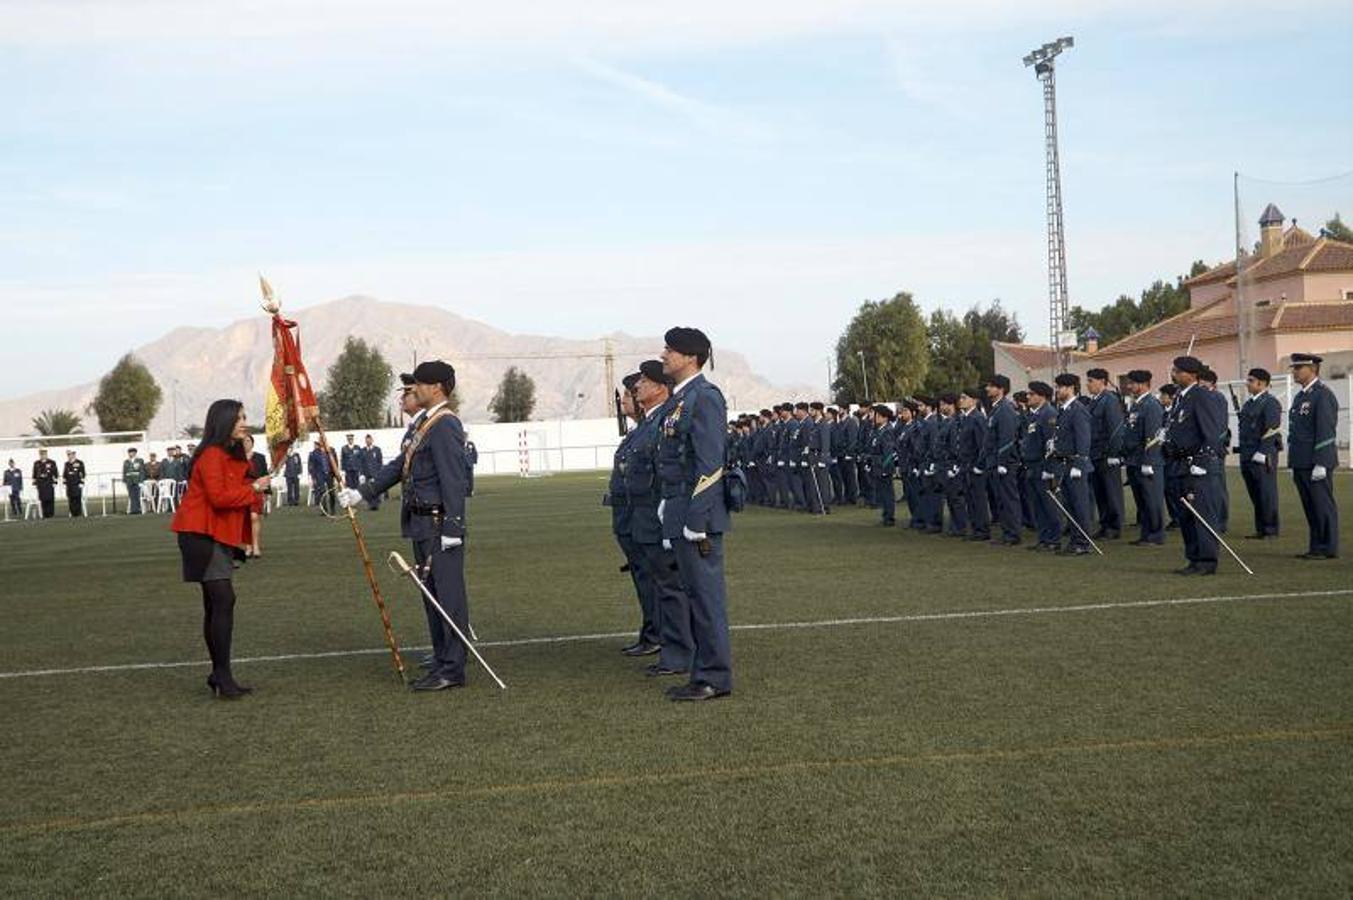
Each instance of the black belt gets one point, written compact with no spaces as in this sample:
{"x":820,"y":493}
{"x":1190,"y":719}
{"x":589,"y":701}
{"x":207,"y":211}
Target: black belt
{"x":416,"y":510}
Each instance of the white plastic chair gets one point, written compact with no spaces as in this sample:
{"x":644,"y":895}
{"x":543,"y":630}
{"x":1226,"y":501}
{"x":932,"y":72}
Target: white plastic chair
{"x":148,"y":497}
{"x":32,"y":509}
{"x":164,"y":495}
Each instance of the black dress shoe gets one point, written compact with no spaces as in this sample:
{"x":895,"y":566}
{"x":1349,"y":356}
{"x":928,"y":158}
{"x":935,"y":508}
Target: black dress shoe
{"x":696,"y":691}
{"x":1112,"y":535}
{"x":435,"y":683}
{"x":641,"y":648}
{"x":1206,"y":570}
{"x":1312,"y":556}
{"x":1071,"y":550}
{"x":1142,"y":542}
{"x":1190,"y":569}
{"x":657,"y":669}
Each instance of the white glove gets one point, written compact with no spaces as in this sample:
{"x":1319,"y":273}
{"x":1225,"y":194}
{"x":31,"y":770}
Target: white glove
{"x":662,"y":504}
{"x":451,"y":543}
{"x":1002,"y":470}
{"x":976,"y":470}
{"x":780,"y":463}
{"x":1114,"y":461}
{"x":952,"y":473}
{"x":1318,"y":473}
{"x":692,"y":536}
{"x":1197,"y":470}
{"x":666,"y":544}
{"x":930,"y":469}
{"x":1148,"y":471}
{"x":1260,"y":458}
{"x":349,"y":497}
{"x":1048,"y":476}
{"x":1075,"y":472}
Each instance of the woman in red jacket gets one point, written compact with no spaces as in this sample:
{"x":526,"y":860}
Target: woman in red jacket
{"x":213,"y":529}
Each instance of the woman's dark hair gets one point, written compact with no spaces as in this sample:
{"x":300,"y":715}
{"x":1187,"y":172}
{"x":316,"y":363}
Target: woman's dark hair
{"x":216,"y":432}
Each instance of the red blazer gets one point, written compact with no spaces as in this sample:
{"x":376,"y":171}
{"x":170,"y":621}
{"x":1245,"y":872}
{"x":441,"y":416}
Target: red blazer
{"x":218,"y":499}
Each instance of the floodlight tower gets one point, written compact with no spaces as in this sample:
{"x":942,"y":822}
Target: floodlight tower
{"x":1044,"y":59}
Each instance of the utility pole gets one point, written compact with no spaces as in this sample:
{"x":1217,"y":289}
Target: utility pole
{"x":1043,"y":59}
{"x":608,"y":356}
{"x":864,"y":375}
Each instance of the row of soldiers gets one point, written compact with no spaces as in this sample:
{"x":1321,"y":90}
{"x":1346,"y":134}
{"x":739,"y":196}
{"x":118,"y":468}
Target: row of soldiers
{"x":1054,"y":460}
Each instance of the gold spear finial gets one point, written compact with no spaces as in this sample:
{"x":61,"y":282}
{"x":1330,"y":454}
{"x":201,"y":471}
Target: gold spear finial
{"x":270,"y":303}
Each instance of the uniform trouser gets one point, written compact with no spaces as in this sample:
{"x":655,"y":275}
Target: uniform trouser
{"x":1047,"y":517}
{"x":643,"y":588}
{"x":1322,"y":515}
{"x":817,"y":485}
{"x":293,"y":492}
{"x":1199,"y":544}
{"x":326,"y":497}
{"x":911,"y":493}
{"x":1007,"y":493}
{"x":979,"y":512}
{"x":887,"y":503}
{"x":469,"y":480}
{"x":796,"y":487}
{"x":850,"y":476}
{"x":783,"y":497}
{"x":1172,"y":505}
{"x":1261,"y":483}
{"x":47,"y":500}
{"x":673,"y":607}
{"x":808,"y":482}
{"x":1148,"y":493}
{"x":75,"y":499}
{"x":1108,"y":488}
{"x":1075,"y":496}
{"x":374,"y":503}
{"x":866,"y":478}
{"x":1223,"y":494}
{"x":351,"y":479}
{"x":702,"y":577}
{"x":133,"y":499}
{"x":15,"y":504}
{"x":838,"y":484}
{"x":1028,"y":500}
{"x":446,"y":581}
{"x":956,"y":498}
{"x":932,"y":502}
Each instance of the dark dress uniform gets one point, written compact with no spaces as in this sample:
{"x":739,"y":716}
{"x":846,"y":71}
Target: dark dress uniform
{"x":14,"y":481}
{"x":433,"y":472}
{"x":1193,"y":431}
{"x":472,"y":458}
{"x":930,"y":492}
{"x":372,"y":462}
{"x":690,"y":467}
{"x":671,"y":607}
{"x":133,"y":474}
{"x":44,"y":479}
{"x":882,"y":457}
{"x":292,"y":473}
{"x":321,"y":474}
{"x":845,"y":436}
{"x":1312,"y":425}
{"x":1220,"y":489}
{"x":617,"y":498}
{"x":73,"y":475}
{"x":972,"y":436}
{"x":819,"y":460}
{"x":1106,"y":425}
{"x":1260,"y":423}
{"x":1071,"y":455}
{"x":1003,"y":432}
{"x":1039,"y":428}
{"x":949,"y":474}
{"x":350,"y":461}
{"x":1143,"y":453}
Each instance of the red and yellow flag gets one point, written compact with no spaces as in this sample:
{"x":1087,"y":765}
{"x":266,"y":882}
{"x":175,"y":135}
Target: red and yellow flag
{"x":291,"y":404}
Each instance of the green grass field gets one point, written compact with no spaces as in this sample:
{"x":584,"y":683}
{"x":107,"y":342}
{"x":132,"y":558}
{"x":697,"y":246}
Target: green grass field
{"x":1138,"y":747}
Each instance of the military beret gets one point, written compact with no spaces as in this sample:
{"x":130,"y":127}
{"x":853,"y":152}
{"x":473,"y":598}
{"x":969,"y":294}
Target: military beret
{"x":406,"y":379}
{"x":767,"y":413}
{"x":1168,"y":390}
{"x":1041,"y":388}
{"x":690,"y":341}
{"x":630,"y":380}
{"x":972,"y":392}
{"x":883,"y":409}
{"x":923,"y":400}
{"x":815,"y":405}
{"x":1067,"y":379}
{"x":999,"y":381}
{"x":652,"y":370}
{"x":832,"y":409}
{"x":802,"y":404}
{"x":1189,"y":364}
{"x":1139,"y":376}
{"x":1207,"y":375}
{"x":949,"y":398}
{"x":1261,"y":375}
{"x":434,"y":371}
{"x":1021,"y":396}
{"x":1098,"y":374}
{"x":1305,"y":359}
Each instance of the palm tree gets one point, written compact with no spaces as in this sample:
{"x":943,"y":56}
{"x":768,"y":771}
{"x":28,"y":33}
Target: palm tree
{"x":59,"y":423}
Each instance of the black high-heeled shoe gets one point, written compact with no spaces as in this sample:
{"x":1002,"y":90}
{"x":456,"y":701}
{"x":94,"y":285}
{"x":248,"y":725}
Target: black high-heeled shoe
{"x":230,"y":691}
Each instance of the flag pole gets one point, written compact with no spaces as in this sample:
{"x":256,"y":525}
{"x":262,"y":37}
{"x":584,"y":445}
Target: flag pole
{"x":273,"y":307}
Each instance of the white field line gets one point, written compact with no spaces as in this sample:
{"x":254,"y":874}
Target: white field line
{"x":759,"y":626}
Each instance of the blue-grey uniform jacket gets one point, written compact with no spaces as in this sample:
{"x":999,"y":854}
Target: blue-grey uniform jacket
{"x":1193,"y":431}
{"x":1312,"y":425}
{"x":972,"y":437}
{"x":691,"y":458}
{"x":1261,"y":426}
{"x":319,"y":466}
{"x":1142,"y":444}
{"x":641,"y":481}
{"x":1106,"y":425}
{"x":350,"y":458}
{"x":1040,"y":426}
{"x":923,"y":437}
{"x":372,"y":460}
{"x":1071,"y":440}
{"x":433,"y":501}
{"x":617,"y":492}
{"x":14,"y":480}
{"x":293,"y":467}
{"x":1002,"y":446}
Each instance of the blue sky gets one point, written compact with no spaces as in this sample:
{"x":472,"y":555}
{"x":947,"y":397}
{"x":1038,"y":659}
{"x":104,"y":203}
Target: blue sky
{"x":754,"y":168}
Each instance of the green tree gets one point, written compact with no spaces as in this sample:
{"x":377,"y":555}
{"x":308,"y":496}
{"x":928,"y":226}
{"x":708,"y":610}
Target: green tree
{"x":891,"y":335}
{"x":128,"y":397}
{"x":357,"y":388}
{"x":1125,"y":315}
{"x":960,"y":348}
{"x":515,"y":399}
{"x":58,"y":425}
{"x":1335,"y":228}
{"x":192,"y":432}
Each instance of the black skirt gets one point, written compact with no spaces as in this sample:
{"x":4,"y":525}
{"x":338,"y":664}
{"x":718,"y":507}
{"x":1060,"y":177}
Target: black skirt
{"x":206,"y":559}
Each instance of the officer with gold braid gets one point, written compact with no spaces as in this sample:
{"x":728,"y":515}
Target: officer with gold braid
{"x":693,"y":511}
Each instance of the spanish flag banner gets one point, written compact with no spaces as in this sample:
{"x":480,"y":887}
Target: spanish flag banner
{"x":291,"y":406}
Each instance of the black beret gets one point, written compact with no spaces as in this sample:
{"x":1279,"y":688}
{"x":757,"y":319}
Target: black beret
{"x":1067,"y":379}
{"x":923,"y":400}
{"x":767,"y":413}
{"x":1139,"y":376}
{"x":883,"y":409}
{"x":788,"y":404}
{"x":652,"y":370}
{"x":974,"y":393}
{"x":406,"y":379}
{"x":630,"y":380}
{"x":1021,"y":396}
{"x":1041,"y":388}
{"x":690,"y":341}
{"x":815,"y":405}
{"x":802,"y":404}
{"x":1189,"y":364}
{"x":1168,"y":390}
{"x":1207,"y":375}
{"x":1098,"y":374}
{"x":999,"y":381}
{"x":434,"y":371}
{"x":949,"y":398}
{"x":1305,"y":359}
{"x":1261,"y":375}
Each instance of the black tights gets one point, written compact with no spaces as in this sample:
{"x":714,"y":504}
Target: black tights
{"x":218,"y":621}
